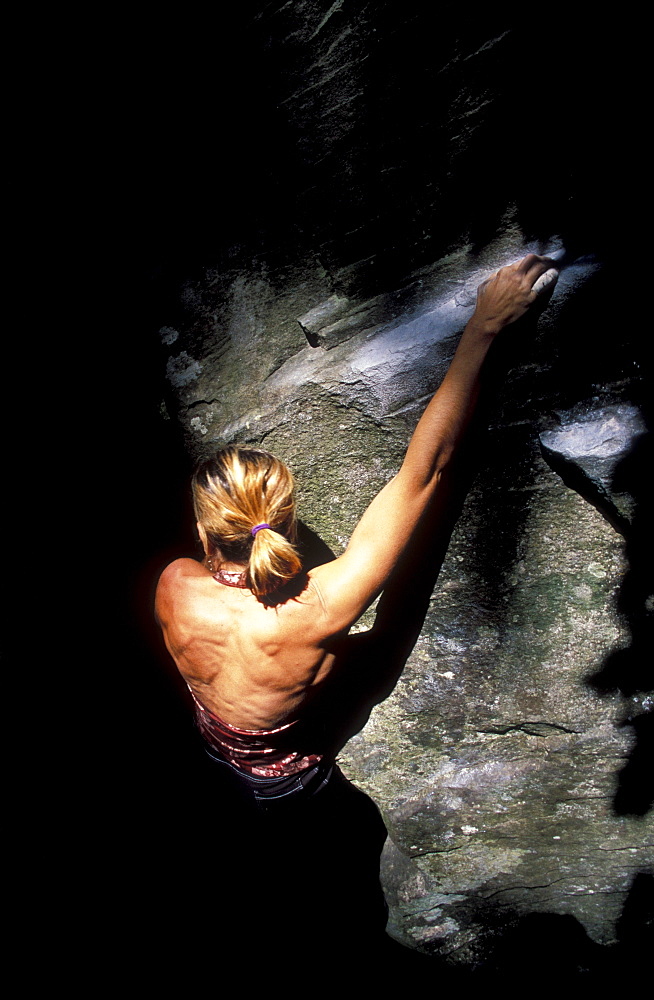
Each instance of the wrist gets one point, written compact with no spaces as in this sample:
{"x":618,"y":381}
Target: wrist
{"x":483,"y":329}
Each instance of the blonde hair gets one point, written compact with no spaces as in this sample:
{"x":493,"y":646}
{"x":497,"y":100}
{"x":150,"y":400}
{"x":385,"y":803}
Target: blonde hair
{"x":233,"y":492}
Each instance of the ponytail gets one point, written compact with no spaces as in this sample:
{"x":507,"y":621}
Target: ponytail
{"x":273,"y":562}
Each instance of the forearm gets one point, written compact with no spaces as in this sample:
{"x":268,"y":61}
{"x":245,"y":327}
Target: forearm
{"x":433,"y":444}
{"x":443,"y":424}
{"x":501,"y":299}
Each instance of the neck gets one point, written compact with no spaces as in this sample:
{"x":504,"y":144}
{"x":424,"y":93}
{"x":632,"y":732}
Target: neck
{"x":230,"y":567}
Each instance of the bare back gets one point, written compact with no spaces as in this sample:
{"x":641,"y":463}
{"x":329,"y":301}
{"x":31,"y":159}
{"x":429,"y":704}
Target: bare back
{"x":251,"y":664}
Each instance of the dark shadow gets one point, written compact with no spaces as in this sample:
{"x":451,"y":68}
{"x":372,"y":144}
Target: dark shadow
{"x":635,"y":926}
{"x":629,"y":669}
{"x":634,"y":795}
{"x":581,"y":356}
{"x":548,"y":948}
{"x":554,"y":950}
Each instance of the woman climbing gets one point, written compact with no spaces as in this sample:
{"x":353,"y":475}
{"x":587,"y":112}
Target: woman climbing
{"x":251,"y":633}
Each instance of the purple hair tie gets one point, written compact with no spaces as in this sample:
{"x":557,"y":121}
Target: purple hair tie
{"x":258,"y":527}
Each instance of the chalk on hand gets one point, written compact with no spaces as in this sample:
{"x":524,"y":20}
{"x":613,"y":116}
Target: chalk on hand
{"x":545,"y":280}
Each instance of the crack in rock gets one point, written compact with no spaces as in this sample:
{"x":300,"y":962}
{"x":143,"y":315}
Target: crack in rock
{"x":531,"y":728}
{"x":444,"y":850}
{"x":586,"y":452}
{"x":334,"y":9}
{"x":634,"y":847}
{"x":514,"y":888}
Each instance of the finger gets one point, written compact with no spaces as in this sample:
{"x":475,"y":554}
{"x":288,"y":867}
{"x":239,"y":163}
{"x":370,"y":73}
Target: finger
{"x":538,"y":267}
{"x":532,"y":262}
{"x":546,"y":280}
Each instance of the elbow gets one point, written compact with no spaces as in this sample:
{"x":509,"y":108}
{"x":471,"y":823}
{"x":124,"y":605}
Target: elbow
{"x":428,"y":476}
{"x":442,"y":462}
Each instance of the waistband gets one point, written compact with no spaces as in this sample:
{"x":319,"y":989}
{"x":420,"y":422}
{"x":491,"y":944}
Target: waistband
{"x":307,"y":782}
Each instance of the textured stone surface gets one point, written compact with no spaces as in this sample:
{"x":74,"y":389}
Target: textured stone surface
{"x":588,"y":450}
{"x":499,"y":759}
{"x":502,"y":778}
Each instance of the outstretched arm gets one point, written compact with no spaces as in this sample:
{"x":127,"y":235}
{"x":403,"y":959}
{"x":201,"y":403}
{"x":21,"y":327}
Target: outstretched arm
{"x":350,"y":583}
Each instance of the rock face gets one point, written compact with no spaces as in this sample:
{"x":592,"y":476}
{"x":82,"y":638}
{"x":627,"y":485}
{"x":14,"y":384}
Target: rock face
{"x":502,"y":767}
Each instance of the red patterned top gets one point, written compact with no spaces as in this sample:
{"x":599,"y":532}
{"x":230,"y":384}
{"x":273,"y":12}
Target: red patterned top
{"x":265,"y":753}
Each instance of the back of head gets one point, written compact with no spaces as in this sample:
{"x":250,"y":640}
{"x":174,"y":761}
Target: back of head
{"x":234,"y":492}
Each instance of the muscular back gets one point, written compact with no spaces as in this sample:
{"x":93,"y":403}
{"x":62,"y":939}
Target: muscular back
{"x":250,"y":664}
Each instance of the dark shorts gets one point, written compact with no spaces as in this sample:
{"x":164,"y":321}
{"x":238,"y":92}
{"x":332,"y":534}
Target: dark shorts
{"x":267,"y":792}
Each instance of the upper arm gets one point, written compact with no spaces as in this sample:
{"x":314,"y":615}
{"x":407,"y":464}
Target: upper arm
{"x":350,"y":583}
